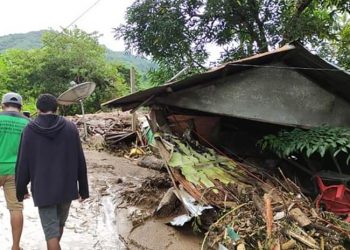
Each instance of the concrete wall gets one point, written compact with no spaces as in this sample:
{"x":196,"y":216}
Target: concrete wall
{"x":281,"y":96}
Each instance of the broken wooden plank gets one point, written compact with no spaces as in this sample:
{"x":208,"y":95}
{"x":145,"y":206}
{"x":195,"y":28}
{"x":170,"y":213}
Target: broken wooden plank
{"x":298,"y":216}
{"x":308,"y":241}
{"x":188,"y":186}
{"x":129,"y":136}
{"x":289,"y":245}
{"x":268,"y":215}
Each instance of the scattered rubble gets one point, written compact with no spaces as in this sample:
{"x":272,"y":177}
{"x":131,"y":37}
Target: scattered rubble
{"x":103,"y":123}
{"x":240,"y":206}
{"x":108,"y":130}
{"x":148,"y":193}
{"x":258,"y":211}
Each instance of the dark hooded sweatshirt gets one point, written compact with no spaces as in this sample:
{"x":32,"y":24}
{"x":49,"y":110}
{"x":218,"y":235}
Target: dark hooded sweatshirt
{"x":52,"y":159}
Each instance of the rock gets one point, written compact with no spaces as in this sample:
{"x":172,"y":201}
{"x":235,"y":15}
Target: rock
{"x":152,"y":162}
{"x":97,"y":141}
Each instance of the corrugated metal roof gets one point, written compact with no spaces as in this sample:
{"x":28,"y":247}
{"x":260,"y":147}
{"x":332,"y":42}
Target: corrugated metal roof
{"x":331,"y":78}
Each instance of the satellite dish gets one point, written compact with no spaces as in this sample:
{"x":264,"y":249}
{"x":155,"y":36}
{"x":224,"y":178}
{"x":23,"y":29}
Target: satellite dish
{"x":77,"y":94}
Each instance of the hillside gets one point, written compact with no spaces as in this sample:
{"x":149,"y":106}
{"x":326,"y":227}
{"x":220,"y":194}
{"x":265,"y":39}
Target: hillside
{"x":32,"y":40}
{"x":28,"y":40}
{"x":142,"y":64}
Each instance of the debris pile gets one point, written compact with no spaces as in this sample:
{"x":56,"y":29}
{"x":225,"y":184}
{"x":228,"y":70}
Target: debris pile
{"x":147,"y":193}
{"x":103,"y":123}
{"x":258,"y":211}
{"x":110,"y":129}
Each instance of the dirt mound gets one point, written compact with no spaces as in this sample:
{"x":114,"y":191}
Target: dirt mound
{"x":148,"y":193}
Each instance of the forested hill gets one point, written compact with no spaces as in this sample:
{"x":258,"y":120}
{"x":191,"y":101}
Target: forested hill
{"x":32,"y":40}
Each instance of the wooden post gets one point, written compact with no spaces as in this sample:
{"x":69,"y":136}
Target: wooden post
{"x":84,"y":121}
{"x":133,"y":90}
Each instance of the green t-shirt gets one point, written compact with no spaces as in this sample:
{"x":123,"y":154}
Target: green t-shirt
{"x":11,"y":127}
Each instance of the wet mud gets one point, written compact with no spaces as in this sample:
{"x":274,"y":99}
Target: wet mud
{"x":118,"y":215}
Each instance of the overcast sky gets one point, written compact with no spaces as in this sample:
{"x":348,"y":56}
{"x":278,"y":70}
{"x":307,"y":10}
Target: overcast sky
{"x":20,"y":16}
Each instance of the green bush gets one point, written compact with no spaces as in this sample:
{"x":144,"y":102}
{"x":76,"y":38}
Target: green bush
{"x":319,"y":140}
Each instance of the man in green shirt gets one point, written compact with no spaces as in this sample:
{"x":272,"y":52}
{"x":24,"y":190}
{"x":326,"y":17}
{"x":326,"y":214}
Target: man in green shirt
{"x":12,"y":123}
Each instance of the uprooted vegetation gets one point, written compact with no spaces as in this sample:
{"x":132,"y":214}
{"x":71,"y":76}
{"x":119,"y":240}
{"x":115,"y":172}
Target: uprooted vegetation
{"x":260,"y":211}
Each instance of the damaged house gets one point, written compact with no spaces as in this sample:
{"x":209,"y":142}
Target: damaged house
{"x":230,"y":109}
{"x":234,"y":105}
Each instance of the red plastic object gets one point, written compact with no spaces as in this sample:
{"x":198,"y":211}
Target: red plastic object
{"x":336,"y":198}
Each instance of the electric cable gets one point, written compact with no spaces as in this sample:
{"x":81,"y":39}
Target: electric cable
{"x":77,"y":18}
{"x":83,"y":14}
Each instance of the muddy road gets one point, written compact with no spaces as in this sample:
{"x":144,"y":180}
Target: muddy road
{"x":116,"y":216}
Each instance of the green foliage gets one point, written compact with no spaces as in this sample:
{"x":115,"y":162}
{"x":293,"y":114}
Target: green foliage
{"x":336,"y":49}
{"x":175,"y":33}
{"x":165,"y":72}
{"x":29,"y":104}
{"x":32,"y":40}
{"x":72,"y":55}
{"x":201,"y":168}
{"x":161,"y":29}
{"x":344,"y":45}
{"x":3,"y":75}
{"x":21,"y":69}
{"x":142,"y":64}
{"x":161,"y":75}
{"x":319,"y":140}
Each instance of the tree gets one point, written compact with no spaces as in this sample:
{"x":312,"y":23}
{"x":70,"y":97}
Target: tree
{"x":337,"y":48}
{"x":20,"y":71}
{"x":76,"y":55}
{"x":70,"y":55}
{"x":163,"y":30}
{"x":343,"y":45}
{"x":3,"y":75}
{"x":175,"y":33}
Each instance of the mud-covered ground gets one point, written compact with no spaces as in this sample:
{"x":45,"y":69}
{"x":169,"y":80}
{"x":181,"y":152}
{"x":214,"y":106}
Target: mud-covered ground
{"x":118,"y":214}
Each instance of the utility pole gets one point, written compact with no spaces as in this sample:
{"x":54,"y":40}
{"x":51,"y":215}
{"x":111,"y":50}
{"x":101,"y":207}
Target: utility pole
{"x":133,"y":90}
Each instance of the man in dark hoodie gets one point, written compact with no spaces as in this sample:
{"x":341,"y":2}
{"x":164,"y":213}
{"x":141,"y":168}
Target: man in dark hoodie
{"x":52,"y":159}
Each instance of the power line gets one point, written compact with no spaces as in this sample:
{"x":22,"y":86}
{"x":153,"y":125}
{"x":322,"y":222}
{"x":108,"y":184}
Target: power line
{"x":84,"y":13}
{"x":77,"y":19}
{"x":284,"y":67}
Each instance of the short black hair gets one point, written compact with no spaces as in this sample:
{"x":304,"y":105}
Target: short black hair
{"x":47,"y":103}
{"x":13,"y":105}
